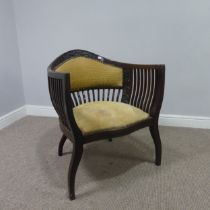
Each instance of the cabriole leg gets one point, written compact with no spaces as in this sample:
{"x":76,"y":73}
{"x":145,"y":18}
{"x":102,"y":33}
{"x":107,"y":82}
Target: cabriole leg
{"x":74,"y":163}
{"x":60,"y":147}
{"x":157,"y":141}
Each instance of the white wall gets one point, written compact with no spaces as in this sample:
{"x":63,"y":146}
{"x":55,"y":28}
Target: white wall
{"x":11,"y":89}
{"x":176,"y":33}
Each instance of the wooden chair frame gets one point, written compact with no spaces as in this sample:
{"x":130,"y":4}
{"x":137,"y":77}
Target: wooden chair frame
{"x":143,"y":87}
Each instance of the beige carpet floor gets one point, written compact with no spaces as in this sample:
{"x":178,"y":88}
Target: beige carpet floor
{"x":117,"y":175}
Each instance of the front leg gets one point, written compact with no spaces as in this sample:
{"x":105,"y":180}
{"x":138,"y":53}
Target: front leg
{"x":157,"y":141}
{"x":74,"y":163}
{"x":60,"y":147}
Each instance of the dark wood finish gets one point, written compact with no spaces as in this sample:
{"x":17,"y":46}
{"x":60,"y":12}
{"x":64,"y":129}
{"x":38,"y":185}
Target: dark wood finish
{"x":61,"y":143}
{"x":157,"y":141}
{"x":74,"y":163}
{"x":143,"y":87}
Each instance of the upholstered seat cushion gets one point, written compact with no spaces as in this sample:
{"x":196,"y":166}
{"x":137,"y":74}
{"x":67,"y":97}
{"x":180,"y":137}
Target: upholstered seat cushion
{"x":106,"y":115}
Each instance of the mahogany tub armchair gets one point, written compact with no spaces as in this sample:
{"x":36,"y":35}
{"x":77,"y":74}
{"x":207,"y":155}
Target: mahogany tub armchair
{"x":97,"y":98}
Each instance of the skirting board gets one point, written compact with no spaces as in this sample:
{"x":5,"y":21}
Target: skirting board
{"x":48,"y":111}
{"x":12,"y":116}
{"x":44,"y":111}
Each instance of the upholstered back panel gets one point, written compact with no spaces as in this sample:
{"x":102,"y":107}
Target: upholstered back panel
{"x":89,"y":73}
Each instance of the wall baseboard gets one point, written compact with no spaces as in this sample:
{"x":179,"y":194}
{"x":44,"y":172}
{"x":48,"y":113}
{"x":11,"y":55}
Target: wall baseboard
{"x":184,"y":121}
{"x":44,"y":111}
{"x":48,"y":111}
{"x":12,"y":116}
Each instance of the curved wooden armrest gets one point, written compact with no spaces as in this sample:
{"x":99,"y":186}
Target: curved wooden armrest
{"x":59,"y":94}
{"x":144,"y":87}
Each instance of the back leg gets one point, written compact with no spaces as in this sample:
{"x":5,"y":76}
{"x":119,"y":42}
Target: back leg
{"x":157,"y":141}
{"x":60,"y":147}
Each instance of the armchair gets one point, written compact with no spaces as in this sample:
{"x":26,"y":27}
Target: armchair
{"x":97,"y":98}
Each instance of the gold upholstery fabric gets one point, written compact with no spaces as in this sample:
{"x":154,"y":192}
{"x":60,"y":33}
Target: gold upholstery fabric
{"x":106,"y":115}
{"x":87,"y":73}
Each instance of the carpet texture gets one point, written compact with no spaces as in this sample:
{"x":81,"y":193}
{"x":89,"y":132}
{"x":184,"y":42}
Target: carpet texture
{"x":112,"y":175}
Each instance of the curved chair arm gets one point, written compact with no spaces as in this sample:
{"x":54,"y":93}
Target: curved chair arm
{"x":159,"y":92}
{"x":144,"y":87}
{"x":59,"y":94}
